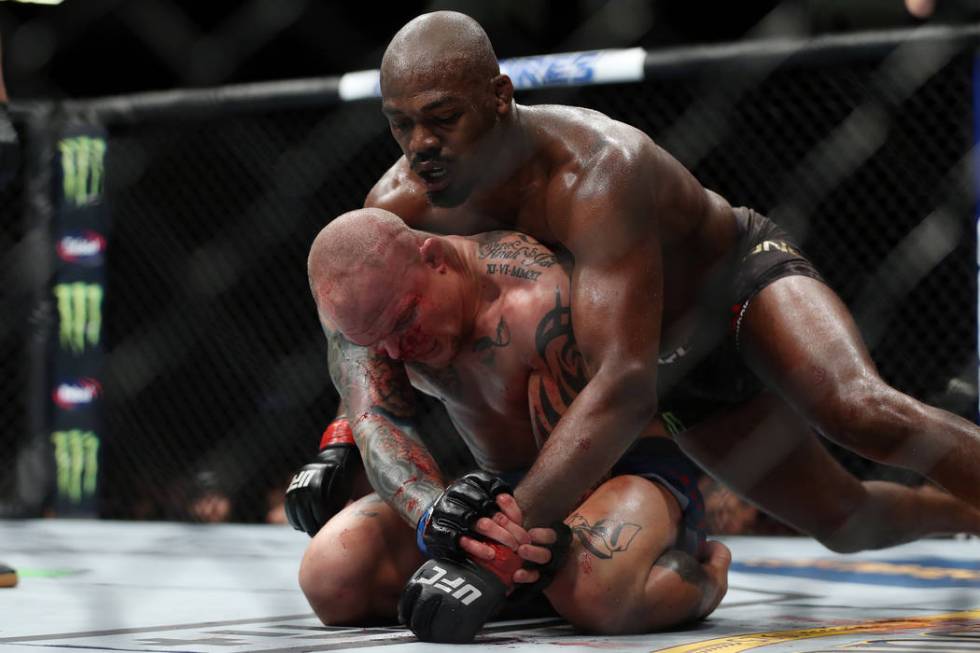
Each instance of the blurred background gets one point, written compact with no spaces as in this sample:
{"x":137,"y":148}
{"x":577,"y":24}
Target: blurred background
{"x":86,"y":48}
{"x":160,"y":355}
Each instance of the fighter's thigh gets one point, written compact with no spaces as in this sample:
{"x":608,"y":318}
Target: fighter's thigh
{"x":768,"y":454}
{"x":617,"y":535}
{"x":802,"y":341}
{"x":366,"y":546}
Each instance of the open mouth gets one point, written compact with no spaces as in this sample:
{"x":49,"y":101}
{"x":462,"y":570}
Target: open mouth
{"x":435,"y":177}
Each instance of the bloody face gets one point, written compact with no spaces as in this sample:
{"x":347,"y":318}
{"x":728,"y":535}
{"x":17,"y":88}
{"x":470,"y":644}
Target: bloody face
{"x":443,"y":128}
{"x":421,"y":320}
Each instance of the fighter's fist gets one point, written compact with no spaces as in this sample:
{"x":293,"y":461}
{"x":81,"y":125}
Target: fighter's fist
{"x":448,"y":602}
{"x":455,"y":512}
{"x":321,"y":488}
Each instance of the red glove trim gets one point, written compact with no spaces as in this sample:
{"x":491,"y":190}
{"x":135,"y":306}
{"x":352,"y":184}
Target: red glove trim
{"x":339,"y":432}
{"x":503,"y":565}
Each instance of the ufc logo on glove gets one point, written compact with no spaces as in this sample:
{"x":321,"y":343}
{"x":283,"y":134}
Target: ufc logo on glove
{"x":466,"y":594}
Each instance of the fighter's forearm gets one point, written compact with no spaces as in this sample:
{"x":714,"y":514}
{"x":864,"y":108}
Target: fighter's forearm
{"x":380,"y":405}
{"x":401,"y":470}
{"x":599,"y":425}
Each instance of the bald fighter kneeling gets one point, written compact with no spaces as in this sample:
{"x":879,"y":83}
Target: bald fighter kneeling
{"x":483,"y":324}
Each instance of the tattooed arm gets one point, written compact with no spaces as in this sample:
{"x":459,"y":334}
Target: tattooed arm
{"x":380,"y":403}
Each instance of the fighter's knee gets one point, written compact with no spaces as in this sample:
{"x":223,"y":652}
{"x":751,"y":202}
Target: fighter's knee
{"x":841,"y":541}
{"x":864,"y":528}
{"x":865,"y":413}
{"x":595,"y":609}
{"x":333,"y":592}
{"x":336,"y":580}
{"x":627,"y":486}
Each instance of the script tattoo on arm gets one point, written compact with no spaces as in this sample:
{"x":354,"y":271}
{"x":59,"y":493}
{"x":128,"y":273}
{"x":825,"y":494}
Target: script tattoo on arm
{"x":381,"y":407}
{"x":552,"y":393}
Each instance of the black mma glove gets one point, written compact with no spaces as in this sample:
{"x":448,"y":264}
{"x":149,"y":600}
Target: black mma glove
{"x":559,"y":553}
{"x":455,"y":513}
{"x":448,"y":602}
{"x":9,"y":149}
{"x":320,"y":489}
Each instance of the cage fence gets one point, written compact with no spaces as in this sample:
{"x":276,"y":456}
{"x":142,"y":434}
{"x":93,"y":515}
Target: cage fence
{"x":205,"y":364}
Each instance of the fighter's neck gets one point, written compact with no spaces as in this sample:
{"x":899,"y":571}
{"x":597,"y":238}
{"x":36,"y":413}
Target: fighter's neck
{"x":481,"y":287}
{"x":511,"y":174}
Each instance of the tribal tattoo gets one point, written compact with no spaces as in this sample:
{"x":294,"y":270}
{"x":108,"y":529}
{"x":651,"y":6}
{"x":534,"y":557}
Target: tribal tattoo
{"x":552,"y":394}
{"x":604,"y":538}
{"x":487,"y":344}
{"x":381,"y":402}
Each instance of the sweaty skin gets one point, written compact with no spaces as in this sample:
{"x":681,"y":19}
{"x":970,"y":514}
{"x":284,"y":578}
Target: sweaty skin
{"x":594,"y":189}
{"x":650,"y":248}
{"x":507,"y":367}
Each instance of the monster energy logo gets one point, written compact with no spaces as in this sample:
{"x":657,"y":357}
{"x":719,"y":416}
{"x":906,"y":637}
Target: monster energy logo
{"x":76,"y":455}
{"x":672,"y":422}
{"x":79,"y":315}
{"x":82,"y":168}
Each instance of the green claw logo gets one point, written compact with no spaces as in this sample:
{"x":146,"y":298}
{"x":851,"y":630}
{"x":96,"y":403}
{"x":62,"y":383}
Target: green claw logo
{"x":79,"y":315}
{"x":76,"y":455}
{"x":672,"y":423}
{"x":82,"y":159}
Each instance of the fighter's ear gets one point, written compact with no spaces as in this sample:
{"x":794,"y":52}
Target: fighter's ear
{"x":503,"y":90}
{"x":433,"y":252}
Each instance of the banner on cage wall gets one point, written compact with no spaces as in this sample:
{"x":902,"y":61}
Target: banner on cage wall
{"x":78,"y":292}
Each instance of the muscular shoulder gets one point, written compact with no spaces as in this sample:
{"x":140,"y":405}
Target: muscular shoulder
{"x":587,"y":138}
{"x":605,"y":168}
{"x":401,"y":193}
{"x":594,"y":156}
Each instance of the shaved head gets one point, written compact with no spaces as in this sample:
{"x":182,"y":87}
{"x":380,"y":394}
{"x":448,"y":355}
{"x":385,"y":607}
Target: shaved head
{"x":355,"y":262}
{"x":437,"y":46}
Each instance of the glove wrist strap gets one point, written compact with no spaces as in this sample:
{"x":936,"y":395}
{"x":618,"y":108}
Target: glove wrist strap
{"x":420,"y":531}
{"x":339,"y":432}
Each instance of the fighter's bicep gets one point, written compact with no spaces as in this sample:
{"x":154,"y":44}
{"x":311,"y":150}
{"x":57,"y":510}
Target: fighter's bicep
{"x":617,"y":307}
{"x":612,"y":231}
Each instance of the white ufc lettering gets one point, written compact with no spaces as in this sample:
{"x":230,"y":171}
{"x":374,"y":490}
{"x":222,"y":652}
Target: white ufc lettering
{"x":301,"y":479}
{"x":465,"y":594}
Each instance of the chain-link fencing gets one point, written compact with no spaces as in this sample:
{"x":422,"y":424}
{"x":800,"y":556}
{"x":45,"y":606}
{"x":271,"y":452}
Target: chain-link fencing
{"x":213,"y":377}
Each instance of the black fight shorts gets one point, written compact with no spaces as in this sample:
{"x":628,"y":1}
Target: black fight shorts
{"x":711,"y":376}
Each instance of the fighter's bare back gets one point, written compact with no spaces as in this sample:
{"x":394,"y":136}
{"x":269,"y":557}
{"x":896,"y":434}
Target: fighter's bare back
{"x":575,"y":152}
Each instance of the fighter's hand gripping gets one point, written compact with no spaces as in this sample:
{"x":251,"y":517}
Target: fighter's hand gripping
{"x":456,"y":512}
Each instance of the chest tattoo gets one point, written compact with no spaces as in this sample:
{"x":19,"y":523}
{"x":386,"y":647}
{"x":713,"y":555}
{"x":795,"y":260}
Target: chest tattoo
{"x":487,"y":345}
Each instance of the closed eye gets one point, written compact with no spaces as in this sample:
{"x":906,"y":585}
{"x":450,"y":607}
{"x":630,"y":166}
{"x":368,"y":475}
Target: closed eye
{"x":448,"y":119}
{"x":406,"y":318}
